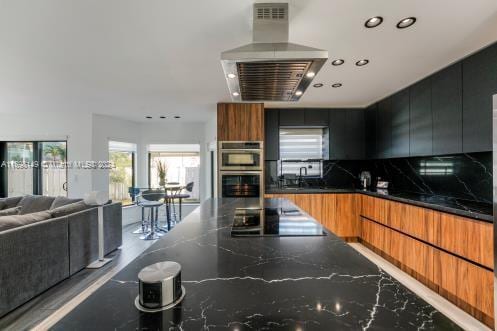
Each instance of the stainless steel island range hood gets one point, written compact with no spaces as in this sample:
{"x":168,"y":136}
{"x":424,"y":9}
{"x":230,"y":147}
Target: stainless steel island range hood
{"x":271,"y":68}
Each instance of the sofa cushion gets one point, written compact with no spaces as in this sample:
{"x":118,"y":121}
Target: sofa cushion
{"x":62,"y":201}
{"x":35,"y":203}
{"x":10,"y":211}
{"x":14,"y":221}
{"x":69,"y":209}
{"x":11,"y":202}
{"x":2,"y":204}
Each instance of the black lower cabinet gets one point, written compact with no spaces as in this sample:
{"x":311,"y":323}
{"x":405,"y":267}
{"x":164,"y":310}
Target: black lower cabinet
{"x":421,"y":122}
{"x":384,"y":129}
{"x":446,"y":103}
{"x":479,"y":84}
{"x":400,"y":124}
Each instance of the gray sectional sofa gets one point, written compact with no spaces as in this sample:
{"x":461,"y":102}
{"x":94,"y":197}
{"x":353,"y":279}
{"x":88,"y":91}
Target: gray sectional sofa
{"x":44,"y":240}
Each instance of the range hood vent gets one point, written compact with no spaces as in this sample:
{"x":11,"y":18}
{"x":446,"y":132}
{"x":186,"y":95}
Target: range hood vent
{"x":271,"y":68}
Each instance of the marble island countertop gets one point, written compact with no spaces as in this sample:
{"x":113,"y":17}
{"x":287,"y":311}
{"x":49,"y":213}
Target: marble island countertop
{"x":477,"y":210}
{"x":263,"y":283}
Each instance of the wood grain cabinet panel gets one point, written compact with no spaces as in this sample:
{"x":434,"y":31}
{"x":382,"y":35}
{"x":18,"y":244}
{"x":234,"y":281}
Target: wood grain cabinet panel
{"x":375,"y":209}
{"x":240,"y":122}
{"x":339,"y":213}
{"x":470,"y":287}
{"x":468,"y":238}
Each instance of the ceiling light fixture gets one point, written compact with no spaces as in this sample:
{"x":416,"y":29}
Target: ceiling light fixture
{"x":318,"y":85}
{"x":373,"y":22}
{"x":149,"y":117}
{"x":361,"y":63}
{"x":177,"y":116}
{"x":310,"y":74}
{"x":235,"y":94}
{"x":231,"y":76}
{"x":338,"y":62}
{"x":298,"y":93}
{"x":162,"y":117}
{"x":406,"y":22}
{"x":337,"y":85}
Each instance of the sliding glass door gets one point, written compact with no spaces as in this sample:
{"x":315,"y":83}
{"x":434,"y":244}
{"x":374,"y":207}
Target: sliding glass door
{"x":20,"y":171}
{"x":33,"y":167}
{"x":53,"y":170}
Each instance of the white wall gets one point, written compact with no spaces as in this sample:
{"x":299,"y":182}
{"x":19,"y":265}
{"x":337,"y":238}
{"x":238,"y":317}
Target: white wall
{"x":105,"y":129}
{"x":76,"y":129}
{"x":88,"y":136}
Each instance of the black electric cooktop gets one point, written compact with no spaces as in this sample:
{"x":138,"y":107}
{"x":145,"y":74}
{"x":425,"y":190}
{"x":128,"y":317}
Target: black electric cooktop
{"x":279,"y":222}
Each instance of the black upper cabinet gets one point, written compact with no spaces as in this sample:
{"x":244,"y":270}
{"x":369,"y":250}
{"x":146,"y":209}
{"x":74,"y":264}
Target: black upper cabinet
{"x":292,"y":117}
{"x":479,"y":85}
{"x":370,"y":131}
{"x":316,"y":117}
{"x":354,"y":134}
{"x":338,"y":134}
{"x":421,"y":122}
{"x":446,"y":103}
{"x":271,"y":134}
{"x":400,"y":124}
{"x":384,"y":129}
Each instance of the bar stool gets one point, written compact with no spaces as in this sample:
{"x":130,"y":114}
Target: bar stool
{"x":149,"y":199}
{"x":153,"y":215}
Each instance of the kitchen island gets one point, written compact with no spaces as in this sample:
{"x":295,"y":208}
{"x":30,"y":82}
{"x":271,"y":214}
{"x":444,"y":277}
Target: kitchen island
{"x":271,"y":283}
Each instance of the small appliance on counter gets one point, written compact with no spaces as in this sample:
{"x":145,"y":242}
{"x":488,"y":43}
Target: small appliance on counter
{"x":159,"y":287}
{"x":365,"y":178}
{"x":382,"y":184}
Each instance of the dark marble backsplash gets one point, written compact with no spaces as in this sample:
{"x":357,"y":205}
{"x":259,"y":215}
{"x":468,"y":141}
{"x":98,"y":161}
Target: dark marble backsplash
{"x":461,"y":176}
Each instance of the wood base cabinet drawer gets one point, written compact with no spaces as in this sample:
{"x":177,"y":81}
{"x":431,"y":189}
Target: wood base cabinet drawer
{"x":465,"y":284}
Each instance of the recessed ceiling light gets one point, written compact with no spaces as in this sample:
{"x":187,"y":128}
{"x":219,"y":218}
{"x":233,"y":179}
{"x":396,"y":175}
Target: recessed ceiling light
{"x":361,"y":63}
{"x":310,"y":74}
{"x":318,"y":85}
{"x":338,"y":62}
{"x":177,"y":116}
{"x":231,"y":75}
{"x":373,"y":22}
{"x":235,"y":94}
{"x":337,"y":85}
{"x":298,"y":93}
{"x":162,"y":117}
{"x":406,"y":22}
{"x":149,"y":117}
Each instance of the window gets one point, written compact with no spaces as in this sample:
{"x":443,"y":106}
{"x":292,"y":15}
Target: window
{"x":302,"y":147}
{"x":122,"y":174}
{"x":53,"y":172}
{"x":34,"y":167}
{"x":182,"y":164}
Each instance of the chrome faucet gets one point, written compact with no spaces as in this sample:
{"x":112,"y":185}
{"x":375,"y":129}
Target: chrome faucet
{"x":301,"y":176}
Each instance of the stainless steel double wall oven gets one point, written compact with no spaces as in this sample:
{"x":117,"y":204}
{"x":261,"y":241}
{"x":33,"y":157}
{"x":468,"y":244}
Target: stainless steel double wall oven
{"x":240,"y":169}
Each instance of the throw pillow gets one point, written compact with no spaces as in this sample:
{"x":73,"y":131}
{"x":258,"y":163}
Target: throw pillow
{"x":62,"y":201}
{"x":14,"y":221}
{"x":69,"y":209}
{"x":35,"y":203}
{"x":10,"y":211}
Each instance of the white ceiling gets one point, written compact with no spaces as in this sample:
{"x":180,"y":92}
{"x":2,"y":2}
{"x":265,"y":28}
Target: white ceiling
{"x":131,"y":58}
